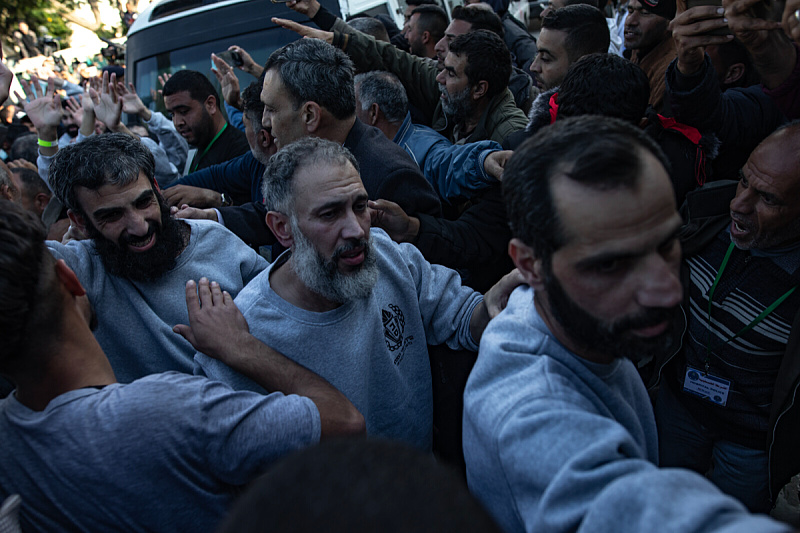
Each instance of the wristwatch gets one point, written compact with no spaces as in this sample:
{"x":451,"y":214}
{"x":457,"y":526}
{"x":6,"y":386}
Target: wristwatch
{"x":226,"y":200}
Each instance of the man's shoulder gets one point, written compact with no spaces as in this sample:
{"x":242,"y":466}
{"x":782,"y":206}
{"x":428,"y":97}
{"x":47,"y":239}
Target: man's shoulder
{"x":373,"y":149}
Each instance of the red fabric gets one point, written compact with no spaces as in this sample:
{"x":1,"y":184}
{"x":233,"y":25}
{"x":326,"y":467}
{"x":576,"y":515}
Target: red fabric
{"x":669,"y":123}
{"x":553,"y":107}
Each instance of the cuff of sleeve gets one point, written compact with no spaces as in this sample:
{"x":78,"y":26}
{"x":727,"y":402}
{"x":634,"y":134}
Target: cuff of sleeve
{"x":684,"y":83}
{"x":219,"y":216}
{"x":324,"y":19}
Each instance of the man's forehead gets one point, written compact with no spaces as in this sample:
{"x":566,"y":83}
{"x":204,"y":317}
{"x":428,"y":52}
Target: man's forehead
{"x":111,"y":193}
{"x":776,"y":165}
{"x":178,"y":99}
{"x":456,"y":62}
{"x":273,"y":85}
{"x":552,"y":40}
{"x":320,"y":179}
{"x":458,"y":27}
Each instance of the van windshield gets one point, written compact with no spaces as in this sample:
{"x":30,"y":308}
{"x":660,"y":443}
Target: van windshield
{"x":259,"y":45}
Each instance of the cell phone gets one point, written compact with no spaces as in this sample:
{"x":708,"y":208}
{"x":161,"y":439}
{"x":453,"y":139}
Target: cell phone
{"x":718,"y":3}
{"x":231,"y":57}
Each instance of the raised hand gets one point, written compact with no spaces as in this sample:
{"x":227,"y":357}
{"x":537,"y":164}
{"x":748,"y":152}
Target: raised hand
{"x":228,"y":82}
{"x":248,"y":63}
{"x":107,"y":107}
{"x":131,"y":103}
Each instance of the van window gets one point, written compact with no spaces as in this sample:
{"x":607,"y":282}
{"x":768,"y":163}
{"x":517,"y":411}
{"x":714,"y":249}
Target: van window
{"x":258,"y":44}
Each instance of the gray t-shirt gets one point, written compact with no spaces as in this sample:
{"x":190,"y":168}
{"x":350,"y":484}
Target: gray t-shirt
{"x":373,"y":350}
{"x":168,"y":452}
{"x":135,"y":318}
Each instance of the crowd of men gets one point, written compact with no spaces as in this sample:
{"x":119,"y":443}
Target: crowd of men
{"x":565,"y":267}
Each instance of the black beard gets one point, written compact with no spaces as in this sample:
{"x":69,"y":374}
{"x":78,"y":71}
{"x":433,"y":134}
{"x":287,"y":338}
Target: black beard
{"x":613,"y":339}
{"x":151,"y":265}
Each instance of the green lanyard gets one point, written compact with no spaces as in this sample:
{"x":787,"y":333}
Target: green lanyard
{"x":749,"y":326}
{"x":197,"y":161}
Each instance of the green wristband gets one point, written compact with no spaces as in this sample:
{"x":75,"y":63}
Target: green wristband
{"x":47,"y":144}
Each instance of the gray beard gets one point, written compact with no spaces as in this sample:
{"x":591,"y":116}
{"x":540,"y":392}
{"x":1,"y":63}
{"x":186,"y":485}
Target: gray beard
{"x":321,"y":275}
{"x":458,"y":106}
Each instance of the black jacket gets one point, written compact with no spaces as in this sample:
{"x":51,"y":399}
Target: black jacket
{"x":386,"y":170}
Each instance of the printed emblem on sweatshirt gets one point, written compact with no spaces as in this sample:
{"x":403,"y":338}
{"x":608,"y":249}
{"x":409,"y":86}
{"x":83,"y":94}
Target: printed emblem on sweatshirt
{"x":393,"y":325}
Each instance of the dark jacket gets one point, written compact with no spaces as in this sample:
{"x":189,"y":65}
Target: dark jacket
{"x":475,"y":244}
{"x":386,"y":171}
{"x":690,"y":155}
{"x":239,"y":177}
{"x":418,"y":76}
{"x":230,"y":144}
{"x":740,"y":118}
{"x":706,"y":213}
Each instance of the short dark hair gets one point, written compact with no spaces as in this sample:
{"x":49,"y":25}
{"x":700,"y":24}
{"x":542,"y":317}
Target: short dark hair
{"x":26,"y":147}
{"x":480,"y":19}
{"x":385,"y":89}
{"x":113,"y":158}
{"x":488,"y":59}
{"x":598,"y":152}
{"x":422,"y":3}
{"x":370,"y":26}
{"x":29,"y":307}
{"x":359,"y":485}
{"x":593,"y":3}
{"x":315,"y":71}
{"x":195,"y":83}
{"x":252,"y":104}
{"x":604,"y":84}
{"x":277,"y":187}
{"x":585,"y":26}
{"x":31,"y":182}
{"x":432,"y":19}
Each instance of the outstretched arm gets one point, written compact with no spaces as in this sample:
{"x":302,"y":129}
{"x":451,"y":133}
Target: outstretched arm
{"x":218,"y":329}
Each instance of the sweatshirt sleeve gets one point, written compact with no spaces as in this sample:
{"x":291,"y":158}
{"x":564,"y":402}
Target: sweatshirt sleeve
{"x":445,"y":304}
{"x":175,"y":146}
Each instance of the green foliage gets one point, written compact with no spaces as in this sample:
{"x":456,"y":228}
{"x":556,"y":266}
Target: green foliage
{"x":36,"y":13}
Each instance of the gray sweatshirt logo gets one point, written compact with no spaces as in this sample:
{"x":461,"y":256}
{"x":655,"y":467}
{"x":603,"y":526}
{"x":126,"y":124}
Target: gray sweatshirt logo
{"x":394,"y":324}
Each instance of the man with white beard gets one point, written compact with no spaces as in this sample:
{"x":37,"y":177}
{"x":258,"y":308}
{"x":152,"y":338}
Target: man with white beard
{"x":350,"y":304}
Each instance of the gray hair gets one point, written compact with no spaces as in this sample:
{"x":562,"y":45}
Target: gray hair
{"x":109,"y":159}
{"x":315,"y":71}
{"x":383,"y":88}
{"x":370,"y":26}
{"x":277,"y":185}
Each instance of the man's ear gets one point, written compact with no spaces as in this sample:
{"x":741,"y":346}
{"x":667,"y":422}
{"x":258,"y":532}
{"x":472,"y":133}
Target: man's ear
{"x":211,"y":104}
{"x":69,"y":279}
{"x":734,"y":73}
{"x":6,"y":192}
{"x":263,"y":139}
{"x":374,"y":113}
{"x":480,"y":90}
{"x":77,"y":220}
{"x":40,"y":201}
{"x":279,"y":224}
{"x":311,"y":115}
{"x":426,"y":37}
{"x":526,"y":261}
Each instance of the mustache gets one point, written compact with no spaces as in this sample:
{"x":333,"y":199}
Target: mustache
{"x":645,"y":319}
{"x":350,"y":246}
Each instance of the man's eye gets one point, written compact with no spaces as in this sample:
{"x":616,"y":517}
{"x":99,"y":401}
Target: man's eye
{"x":144,"y":202}
{"x":607,"y":267}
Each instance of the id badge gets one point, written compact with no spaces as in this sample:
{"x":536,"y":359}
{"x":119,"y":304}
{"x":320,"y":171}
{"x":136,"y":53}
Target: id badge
{"x":708,"y":387}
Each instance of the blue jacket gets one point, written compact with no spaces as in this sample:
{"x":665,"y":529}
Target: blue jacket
{"x":240,"y":177}
{"x":454,"y":170}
